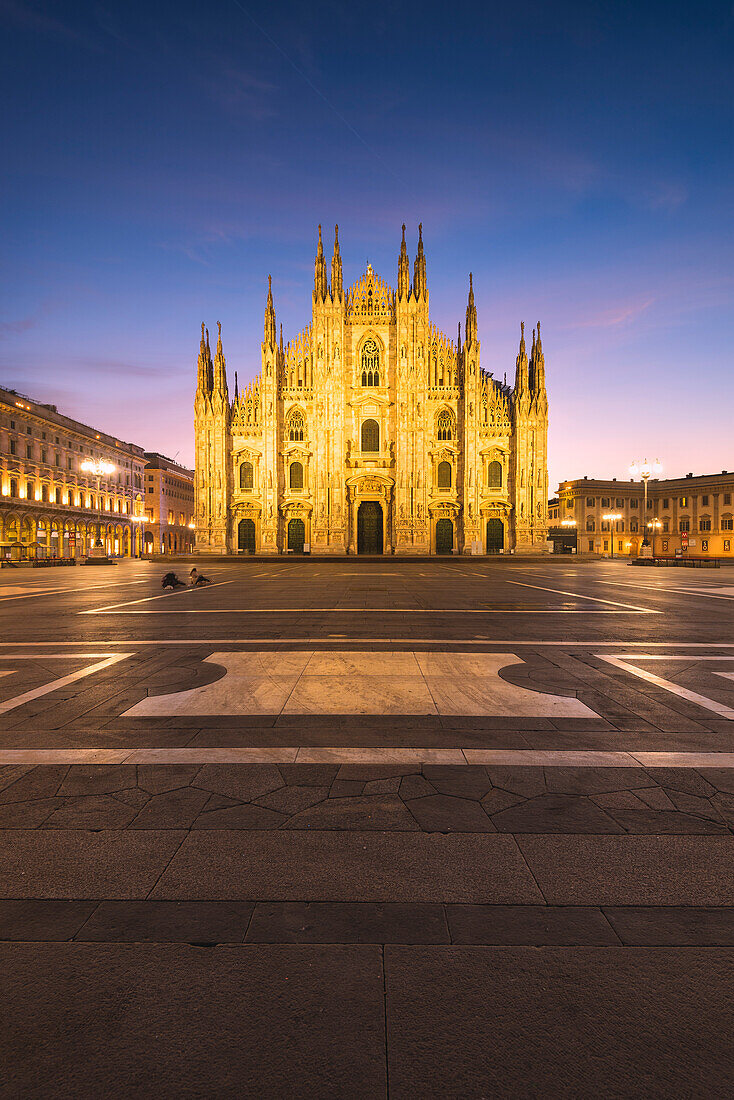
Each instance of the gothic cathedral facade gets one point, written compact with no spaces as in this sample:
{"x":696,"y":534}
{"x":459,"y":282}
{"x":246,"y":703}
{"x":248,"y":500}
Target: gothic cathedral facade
{"x":371,"y":432}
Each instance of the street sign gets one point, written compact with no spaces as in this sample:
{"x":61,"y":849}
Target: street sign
{"x":684,"y":540}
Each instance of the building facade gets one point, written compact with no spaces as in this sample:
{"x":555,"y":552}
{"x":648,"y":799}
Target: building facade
{"x":371,"y":432}
{"x":169,"y":506}
{"x":688,"y":515}
{"x":51,"y":508}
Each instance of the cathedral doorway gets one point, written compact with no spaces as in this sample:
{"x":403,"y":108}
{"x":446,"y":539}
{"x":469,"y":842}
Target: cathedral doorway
{"x":246,"y":536}
{"x":369,"y":528}
{"x":495,"y":536}
{"x":444,"y":536}
{"x":296,"y":535}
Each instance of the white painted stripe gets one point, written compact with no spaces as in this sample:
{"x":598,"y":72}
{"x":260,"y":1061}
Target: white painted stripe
{"x":532,"y":758}
{"x":579,"y":596}
{"x":147,"y":599}
{"x":70,"y":588}
{"x":668,"y":685}
{"x":54,"y":685}
{"x":371,"y":610}
{"x":312,"y":639}
{"x":663,"y":590}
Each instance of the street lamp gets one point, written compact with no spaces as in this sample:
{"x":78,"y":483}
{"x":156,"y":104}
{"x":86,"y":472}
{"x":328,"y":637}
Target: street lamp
{"x":612,"y":517}
{"x":98,"y":469}
{"x":655,"y":525}
{"x":645,"y":470}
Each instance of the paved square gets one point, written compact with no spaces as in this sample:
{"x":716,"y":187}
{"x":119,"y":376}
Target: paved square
{"x":371,"y":786}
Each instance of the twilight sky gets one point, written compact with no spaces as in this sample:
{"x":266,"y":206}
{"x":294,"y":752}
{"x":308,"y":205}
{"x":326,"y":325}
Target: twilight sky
{"x":161,"y":158}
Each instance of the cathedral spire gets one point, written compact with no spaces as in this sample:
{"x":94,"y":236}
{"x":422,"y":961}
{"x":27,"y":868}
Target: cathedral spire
{"x":539,"y":370}
{"x":219,"y":366}
{"x":419,"y":268}
{"x":470,"y":331}
{"x":403,"y":269}
{"x":336,"y":267}
{"x":270,"y":316}
{"x":281,"y":337}
{"x":236,"y":389}
{"x":521,"y":366}
{"x":204,"y":373}
{"x":319,"y":278}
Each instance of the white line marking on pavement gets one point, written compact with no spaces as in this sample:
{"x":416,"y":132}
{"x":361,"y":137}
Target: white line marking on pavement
{"x":668,"y":685}
{"x":663,"y":590}
{"x":373,"y":610}
{"x":314,"y":639}
{"x":596,"y":599}
{"x":147,"y":599}
{"x":54,"y":685}
{"x":71,"y":589}
{"x":533,"y":758}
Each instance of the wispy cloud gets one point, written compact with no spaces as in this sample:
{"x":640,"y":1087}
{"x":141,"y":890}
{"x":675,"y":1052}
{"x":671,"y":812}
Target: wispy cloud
{"x":28,"y":17}
{"x":614,"y":318}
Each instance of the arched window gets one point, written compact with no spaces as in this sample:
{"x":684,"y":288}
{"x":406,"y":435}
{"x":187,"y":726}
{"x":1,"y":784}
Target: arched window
{"x":494,"y":475}
{"x":445,"y":425}
{"x":296,"y":427}
{"x":246,"y":475}
{"x":444,"y":475}
{"x":370,"y":364}
{"x":296,"y":475}
{"x":370,"y":435}
{"x":590,"y":525}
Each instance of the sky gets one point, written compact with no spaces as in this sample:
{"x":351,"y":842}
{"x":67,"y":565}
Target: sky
{"x":160,"y":159}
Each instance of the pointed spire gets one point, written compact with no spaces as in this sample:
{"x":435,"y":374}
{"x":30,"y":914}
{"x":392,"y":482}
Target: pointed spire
{"x":470,"y":331}
{"x":458,"y":340}
{"x":270,"y":316}
{"x":539,"y":369}
{"x":281,"y":337}
{"x":403,"y":269}
{"x":521,"y":365}
{"x":236,"y":389}
{"x":219,"y":367}
{"x":419,"y":267}
{"x":336,"y":267}
{"x":319,"y":278}
{"x":204,"y":366}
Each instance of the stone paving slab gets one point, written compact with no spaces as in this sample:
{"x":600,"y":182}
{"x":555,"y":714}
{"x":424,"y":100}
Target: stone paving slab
{"x":607,"y":1022}
{"x":348,"y":866}
{"x":75,"y":863}
{"x":632,"y":870}
{"x":181,"y":1021}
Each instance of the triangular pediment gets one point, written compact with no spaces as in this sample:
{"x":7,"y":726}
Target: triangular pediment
{"x":371,"y":299}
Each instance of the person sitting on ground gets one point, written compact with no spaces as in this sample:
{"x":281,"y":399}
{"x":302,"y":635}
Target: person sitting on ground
{"x":172,"y":581}
{"x":196,"y":579}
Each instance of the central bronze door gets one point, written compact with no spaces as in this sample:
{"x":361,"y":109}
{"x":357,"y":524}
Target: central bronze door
{"x":369,"y":528}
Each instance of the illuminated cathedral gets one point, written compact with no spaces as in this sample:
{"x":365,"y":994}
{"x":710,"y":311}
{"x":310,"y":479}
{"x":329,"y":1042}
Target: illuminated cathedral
{"x":371,"y":432}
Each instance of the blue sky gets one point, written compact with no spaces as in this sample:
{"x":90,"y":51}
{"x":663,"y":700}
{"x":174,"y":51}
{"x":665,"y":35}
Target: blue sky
{"x":161,"y":159}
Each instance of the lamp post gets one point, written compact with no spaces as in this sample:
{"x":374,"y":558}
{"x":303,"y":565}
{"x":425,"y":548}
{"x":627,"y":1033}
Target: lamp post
{"x":612,"y":517}
{"x":654,"y":526}
{"x":98,"y":469}
{"x":645,"y":470}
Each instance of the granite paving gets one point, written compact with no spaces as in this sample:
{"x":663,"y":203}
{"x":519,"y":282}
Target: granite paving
{"x":432,"y":921}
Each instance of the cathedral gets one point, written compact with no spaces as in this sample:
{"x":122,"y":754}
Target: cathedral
{"x":371,"y":432}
